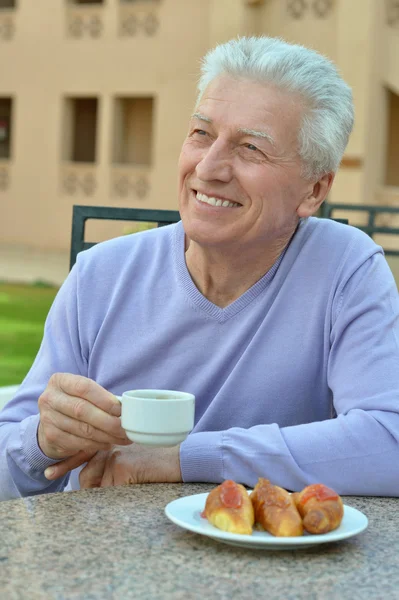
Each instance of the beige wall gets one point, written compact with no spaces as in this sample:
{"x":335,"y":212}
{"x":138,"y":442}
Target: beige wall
{"x":41,"y":66}
{"x":152,"y":49}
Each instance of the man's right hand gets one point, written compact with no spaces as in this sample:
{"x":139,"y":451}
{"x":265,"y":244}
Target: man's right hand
{"x":78,"y":415}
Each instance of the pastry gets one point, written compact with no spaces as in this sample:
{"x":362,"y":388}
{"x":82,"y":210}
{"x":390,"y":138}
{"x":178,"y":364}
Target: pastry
{"x":275,"y":510}
{"x":229,"y":508}
{"x":320,"y":508}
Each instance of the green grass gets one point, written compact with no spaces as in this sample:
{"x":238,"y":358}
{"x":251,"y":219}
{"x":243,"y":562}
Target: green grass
{"x":23,"y":310}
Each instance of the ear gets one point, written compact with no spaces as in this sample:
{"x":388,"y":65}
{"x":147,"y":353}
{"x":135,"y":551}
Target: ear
{"x":316,"y":196}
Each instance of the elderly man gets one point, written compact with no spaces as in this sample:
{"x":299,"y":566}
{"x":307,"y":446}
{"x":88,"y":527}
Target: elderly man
{"x":284,"y":326}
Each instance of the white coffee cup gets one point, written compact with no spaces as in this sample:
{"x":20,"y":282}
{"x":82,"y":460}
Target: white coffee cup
{"x":157,"y":417}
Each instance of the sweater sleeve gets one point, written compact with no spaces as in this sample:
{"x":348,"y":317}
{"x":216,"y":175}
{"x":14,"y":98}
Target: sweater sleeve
{"x":357,"y":452}
{"x":22,"y":463}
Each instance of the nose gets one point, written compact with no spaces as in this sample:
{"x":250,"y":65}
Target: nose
{"x":215,"y":163}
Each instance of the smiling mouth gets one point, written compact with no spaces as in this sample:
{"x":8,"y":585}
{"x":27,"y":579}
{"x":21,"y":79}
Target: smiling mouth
{"x":215,"y":201}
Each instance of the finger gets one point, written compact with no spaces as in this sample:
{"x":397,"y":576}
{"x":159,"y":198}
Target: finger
{"x":82,"y":410}
{"x":107,"y":479}
{"x":69,"y":464}
{"x":82,"y":429}
{"x":65,"y":445}
{"x":91,"y":475}
{"x":83,"y":387}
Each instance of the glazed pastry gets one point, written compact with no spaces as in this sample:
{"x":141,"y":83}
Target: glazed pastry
{"x":320,"y":508}
{"x":228,"y":507}
{"x":275,"y":510}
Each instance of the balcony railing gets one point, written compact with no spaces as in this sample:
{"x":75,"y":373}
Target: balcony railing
{"x":7,"y":24}
{"x":85,"y":21}
{"x":139,"y":17}
{"x":392,"y":12}
{"x":299,"y":9}
{"x":79,"y":179}
{"x":5,"y":175}
{"x":130,"y":182}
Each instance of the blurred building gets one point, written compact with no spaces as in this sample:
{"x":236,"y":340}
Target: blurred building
{"x":95,"y":97}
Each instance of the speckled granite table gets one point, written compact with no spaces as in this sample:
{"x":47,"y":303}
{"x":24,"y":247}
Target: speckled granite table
{"x":117,"y":543}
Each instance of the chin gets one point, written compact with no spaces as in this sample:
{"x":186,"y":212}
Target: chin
{"x":209,"y":239}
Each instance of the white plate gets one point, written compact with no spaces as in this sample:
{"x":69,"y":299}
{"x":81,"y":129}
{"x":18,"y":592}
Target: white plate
{"x":186,"y":512}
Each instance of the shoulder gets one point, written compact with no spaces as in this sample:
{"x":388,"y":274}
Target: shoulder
{"x":327,"y":253}
{"x":339,"y":240}
{"x":129,"y":251}
{"x":352,"y":261}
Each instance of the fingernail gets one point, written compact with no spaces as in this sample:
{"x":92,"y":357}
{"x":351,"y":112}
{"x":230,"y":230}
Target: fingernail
{"x":49,"y":472}
{"x":116,"y":410}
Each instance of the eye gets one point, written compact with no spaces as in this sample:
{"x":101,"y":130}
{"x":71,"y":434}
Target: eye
{"x":199,"y":132}
{"x":251,"y":147}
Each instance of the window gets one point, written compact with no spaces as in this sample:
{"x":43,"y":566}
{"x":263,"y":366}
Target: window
{"x":392,"y":170}
{"x":5,"y":127}
{"x":80,"y":130}
{"x":7,"y":4}
{"x":133,"y":131}
{"x":87,"y":1}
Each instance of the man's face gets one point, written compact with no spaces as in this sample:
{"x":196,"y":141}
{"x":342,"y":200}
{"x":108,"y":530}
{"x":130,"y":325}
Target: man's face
{"x":241,"y":154}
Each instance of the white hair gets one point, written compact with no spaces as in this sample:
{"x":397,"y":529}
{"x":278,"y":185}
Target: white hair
{"x":328,"y":117}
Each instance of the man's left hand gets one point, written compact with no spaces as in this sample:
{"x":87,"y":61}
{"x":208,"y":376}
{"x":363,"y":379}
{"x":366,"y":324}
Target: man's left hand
{"x":132,"y":464}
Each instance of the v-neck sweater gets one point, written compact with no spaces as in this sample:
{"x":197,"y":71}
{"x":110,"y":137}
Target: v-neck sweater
{"x":296,"y":381}
{"x":220,"y":315}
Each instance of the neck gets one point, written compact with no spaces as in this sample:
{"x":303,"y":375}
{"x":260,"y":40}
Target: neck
{"x":222,"y":276}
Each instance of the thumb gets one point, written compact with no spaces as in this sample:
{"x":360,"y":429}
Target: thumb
{"x":63,"y":467}
{"x":92,"y":474}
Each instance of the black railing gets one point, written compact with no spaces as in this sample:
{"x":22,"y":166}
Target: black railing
{"x":328,"y":209}
{"x":82,"y":213}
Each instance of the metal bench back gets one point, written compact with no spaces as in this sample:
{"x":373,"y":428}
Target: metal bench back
{"x":327,"y":210}
{"x":82,"y":213}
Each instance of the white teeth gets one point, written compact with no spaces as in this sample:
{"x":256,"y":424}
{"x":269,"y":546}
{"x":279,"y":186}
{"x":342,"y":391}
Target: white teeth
{"x":215,"y":201}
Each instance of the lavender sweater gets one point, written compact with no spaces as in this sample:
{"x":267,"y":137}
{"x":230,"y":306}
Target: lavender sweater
{"x":297,"y":380}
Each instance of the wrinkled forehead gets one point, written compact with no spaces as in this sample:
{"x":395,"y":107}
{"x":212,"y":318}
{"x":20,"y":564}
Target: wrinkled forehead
{"x":265,"y":109}
{"x":262,"y":134}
